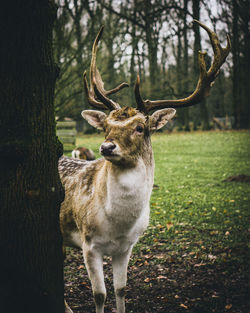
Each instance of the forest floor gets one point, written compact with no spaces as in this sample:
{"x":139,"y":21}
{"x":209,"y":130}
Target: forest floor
{"x":194,"y":256}
{"x":162,"y":284}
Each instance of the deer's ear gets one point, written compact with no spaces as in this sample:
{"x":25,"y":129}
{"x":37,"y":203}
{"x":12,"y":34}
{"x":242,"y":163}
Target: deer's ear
{"x":94,"y":118}
{"x":160,"y":118}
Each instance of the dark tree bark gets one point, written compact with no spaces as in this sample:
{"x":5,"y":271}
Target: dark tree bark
{"x":203,"y":114}
{"x":134,"y":44}
{"x":241,"y":63}
{"x":152,"y":40}
{"x":31,"y":263}
{"x":179,"y":75}
{"x":110,"y":32}
{"x":185,"y":64}
{"x":236,"y":66}
{"x":245,"y":118}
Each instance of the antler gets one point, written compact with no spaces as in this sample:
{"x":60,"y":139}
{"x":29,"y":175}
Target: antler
{"x":204,"y":84}
{"x":97,"y":91}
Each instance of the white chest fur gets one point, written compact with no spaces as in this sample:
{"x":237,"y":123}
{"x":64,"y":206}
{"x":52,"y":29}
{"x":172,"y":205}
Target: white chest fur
{"x":126,"y":210}
{"x":128,"y":192}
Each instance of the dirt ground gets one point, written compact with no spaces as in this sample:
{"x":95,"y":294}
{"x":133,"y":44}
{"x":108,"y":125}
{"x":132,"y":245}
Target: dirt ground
{"x":161,"y":284}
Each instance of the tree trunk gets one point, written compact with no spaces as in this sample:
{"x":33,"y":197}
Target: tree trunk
{"x":79,"y":42}
{"x":245,"y":115}
{"x":236,"y":67}
{"x":151,"y":39}
{"x":185,"y":66}
{"x":134,"y":44}
{"x":179,"y":76}
{"x":110,"y":74}
{"x":31,"y":263}
{"x":203,"y":112}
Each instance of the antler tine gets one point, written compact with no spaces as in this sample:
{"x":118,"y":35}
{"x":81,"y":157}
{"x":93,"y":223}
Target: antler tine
{"x":220,"y":53}
{"x":140,"y":103}
{"x":96,"y":84}
{"x":90,"y":95}
{"x":205,"y":81}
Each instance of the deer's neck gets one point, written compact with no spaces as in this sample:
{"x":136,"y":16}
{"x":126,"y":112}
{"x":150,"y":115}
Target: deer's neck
{"x":128,"y":190}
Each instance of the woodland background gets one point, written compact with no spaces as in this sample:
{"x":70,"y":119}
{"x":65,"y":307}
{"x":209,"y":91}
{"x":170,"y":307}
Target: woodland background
{"x":157,"y":39}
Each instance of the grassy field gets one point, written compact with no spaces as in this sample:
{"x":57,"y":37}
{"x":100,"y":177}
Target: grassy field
{"x":198,"y":221}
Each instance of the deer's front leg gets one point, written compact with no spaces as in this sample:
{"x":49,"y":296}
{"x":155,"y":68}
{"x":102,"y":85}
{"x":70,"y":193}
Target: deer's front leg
{"x":94,"y":264}
{"x":120,"y":265}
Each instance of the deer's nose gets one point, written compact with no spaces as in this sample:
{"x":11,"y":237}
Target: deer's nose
{"x":107,"y":148}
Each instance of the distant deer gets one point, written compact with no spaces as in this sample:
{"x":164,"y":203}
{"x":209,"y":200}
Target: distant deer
{"x":106,"y":206}
{"x":83,"y":154}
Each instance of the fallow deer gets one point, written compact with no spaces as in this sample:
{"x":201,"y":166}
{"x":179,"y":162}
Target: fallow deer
{"x":106,"y":206}
{"x":83,"y":154}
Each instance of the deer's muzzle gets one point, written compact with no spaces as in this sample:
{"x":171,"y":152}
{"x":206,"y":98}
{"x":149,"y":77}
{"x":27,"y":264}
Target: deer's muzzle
{"x":107,"y":148}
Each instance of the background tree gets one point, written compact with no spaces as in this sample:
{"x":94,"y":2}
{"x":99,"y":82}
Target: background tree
{"x":235,"y":17}
{"x":241,"y":62}
{"x":185,"y":63}
{"x":31,"y":263}
{"x":156,"y":39}
{"x":201,"y":113}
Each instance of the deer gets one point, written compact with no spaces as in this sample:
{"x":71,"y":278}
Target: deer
{"x":83,"y":153}
{"x":106,"y":206}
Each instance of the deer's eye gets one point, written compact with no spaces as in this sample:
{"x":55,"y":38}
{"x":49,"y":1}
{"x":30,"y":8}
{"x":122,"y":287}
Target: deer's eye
{"x":139,"y":129}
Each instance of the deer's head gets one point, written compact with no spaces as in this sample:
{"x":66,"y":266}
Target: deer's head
{"x":127,"y":130}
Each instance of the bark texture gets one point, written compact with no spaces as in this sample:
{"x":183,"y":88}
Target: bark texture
{"x":203,"y":111}
{"x":31,"y":263}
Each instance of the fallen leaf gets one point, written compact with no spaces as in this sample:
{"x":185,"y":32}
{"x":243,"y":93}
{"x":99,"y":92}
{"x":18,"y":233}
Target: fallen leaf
{"x":169,"y":225}
{"x":160,"y":256}
{"x":147,"y":280}
{"x":162,"y":277}
{"x":84,"y":283}
{"x":215,"y":293}
{"x":183,"y":306}
{"x":214,"y":232}
{"x":200,"y":264}
{"x":212,"y":257}
{"x":228,"y":306}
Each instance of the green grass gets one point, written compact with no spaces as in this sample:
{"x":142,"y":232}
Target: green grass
{"x":193,"y":212}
